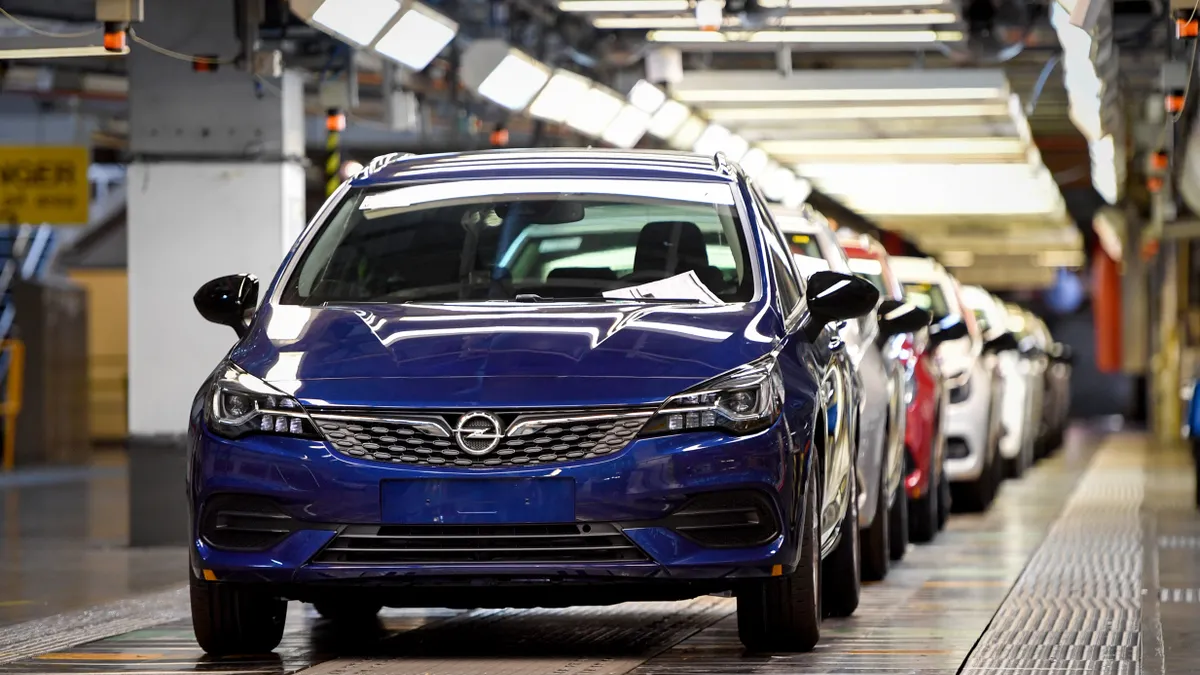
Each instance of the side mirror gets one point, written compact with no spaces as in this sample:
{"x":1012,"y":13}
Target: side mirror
{"x":1062,"y":353}
{"x":897,"y":317}
{"x":833,"y":296}
{"x":1004,"y":342}
{"x":946,"y":330}
{"x":229,"y":301}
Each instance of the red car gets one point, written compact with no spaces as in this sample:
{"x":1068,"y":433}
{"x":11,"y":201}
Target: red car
{"x":928,"y":488}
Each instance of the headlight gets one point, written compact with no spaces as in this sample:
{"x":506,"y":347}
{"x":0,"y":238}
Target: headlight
{"x":241,"y":404}
{"x":742,"y":401}
{"x":961,"y":393}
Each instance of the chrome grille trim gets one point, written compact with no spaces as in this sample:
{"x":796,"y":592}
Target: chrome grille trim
{"x":428,"y":439}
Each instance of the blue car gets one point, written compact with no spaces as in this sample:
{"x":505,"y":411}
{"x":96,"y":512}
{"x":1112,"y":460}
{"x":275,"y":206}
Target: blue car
{"x":528,"y":378}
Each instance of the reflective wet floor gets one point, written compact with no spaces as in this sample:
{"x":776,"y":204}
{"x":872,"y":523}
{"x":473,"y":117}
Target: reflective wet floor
{"x":1090,"y":563}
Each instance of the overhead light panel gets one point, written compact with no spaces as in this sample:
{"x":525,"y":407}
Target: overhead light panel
{"x":735,"y":147}
{"x":417,"y":37}
{"x":754,"y":162}
{"x":668,"y":119}
{"x":806,"y":37}
{"x":748,"y":87}
{"x":709,"y":14}
{"x":882,"y":147}
{"x":502,"y":74}
{"x":688,"y":133}
{"x":561,"y":95}
{"x":839,"y":112}
{"x":644,"y":22}
{"x":58,"y":52}
{"x":598,"y":107}
{"x":359,"y":21}
{"x":628,"y":127}
{"x":598,"y":6}
{"x":777,"y":183}
{"x":712,"y":140}
{"x":646,"y":96}
{"x":847,"y":4}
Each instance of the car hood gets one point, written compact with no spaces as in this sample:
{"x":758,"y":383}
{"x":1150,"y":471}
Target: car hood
{"x":503,"y":353}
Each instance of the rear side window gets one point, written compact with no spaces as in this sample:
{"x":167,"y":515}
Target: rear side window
{"x":928,"y":296}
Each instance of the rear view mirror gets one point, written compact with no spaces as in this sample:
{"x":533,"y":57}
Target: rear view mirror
{"x":229,"y":301}
{"x":833,"y":296}
{"x":546,"y":212}
{"x":1062,"y":353}
{"x":897,"y":317}
{"x":1005,"y":342}
{"x":949,"y":328}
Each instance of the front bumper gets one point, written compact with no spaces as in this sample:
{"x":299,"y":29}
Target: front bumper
{"x":637,"y":491}
{"x":969,"y":430}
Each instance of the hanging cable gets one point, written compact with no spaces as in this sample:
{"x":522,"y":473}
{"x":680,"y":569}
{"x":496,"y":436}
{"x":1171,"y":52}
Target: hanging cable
{"x":1041,"y":83}
{"x":190,"y":58}
{"x":45,"y":33}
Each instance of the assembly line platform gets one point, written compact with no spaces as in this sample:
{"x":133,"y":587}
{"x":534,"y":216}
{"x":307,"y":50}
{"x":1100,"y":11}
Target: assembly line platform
{"x":1089,"y":564}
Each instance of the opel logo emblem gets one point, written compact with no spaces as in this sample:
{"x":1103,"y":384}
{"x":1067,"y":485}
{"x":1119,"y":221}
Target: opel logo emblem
{"x":478,"y":433}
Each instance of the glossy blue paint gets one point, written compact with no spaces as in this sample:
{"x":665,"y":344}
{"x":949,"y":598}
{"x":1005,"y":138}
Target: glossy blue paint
{"x":509,"y":355}
{"x":1194,"y":411}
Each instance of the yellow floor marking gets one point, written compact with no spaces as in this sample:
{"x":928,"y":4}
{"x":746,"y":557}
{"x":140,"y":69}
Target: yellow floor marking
{"x":98,"y":656}
{"x":15,"y":603}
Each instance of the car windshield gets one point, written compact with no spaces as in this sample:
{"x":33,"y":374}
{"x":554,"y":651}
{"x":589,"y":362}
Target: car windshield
{"x":872,"y":271}
{"x":529,"y":240}
{"x":928,"y":297}
{"x":804,"y":244}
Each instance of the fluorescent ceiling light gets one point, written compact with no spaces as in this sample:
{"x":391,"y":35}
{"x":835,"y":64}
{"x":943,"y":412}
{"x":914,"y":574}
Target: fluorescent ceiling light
{"x":792,"y":21}
{"x":688,"y":133}
{"x":668,"y":119}
{"x":57,"y":52}
{"x":712,"y":140}
{"x":595,"y":111}
{"x":502,"y":74}
{"x":560,"y":96}
{"x":897,"y":146}
{"x":799,"y":36}
{"x":848,"y":4}
{"x":735,"y":147}
{"x":646,"y":96}
{"x":957,"y":258}
{"x":830,"y":95}
{"x":1060,"y":259}
{"x":754,"y":162}
{"x":777,"y":183}
{"x":628,"y":127}
{"x":357,"y":20}
{"x":624,"y":6}
{"x":797,"y":193}
{"x":709,"y":14}
{"x":417,"y":37}
{"x":839,"y":112}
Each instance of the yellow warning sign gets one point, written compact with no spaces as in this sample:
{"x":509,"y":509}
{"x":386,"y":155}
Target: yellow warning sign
{"x":43,"y":184}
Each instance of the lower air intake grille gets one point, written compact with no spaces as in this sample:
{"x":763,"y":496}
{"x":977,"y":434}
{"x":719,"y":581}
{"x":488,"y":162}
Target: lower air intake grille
{"x":726,"y":520}
{"x":956,"y":448}
{"x":449,"y":544}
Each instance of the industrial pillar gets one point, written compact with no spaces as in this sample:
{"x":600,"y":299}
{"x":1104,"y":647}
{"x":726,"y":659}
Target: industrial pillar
{"x":215,"y":187}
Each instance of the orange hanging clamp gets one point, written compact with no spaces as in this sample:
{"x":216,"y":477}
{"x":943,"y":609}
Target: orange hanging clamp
{"x":1154,"y":184}
{"x":1174,"y":102}
{"x":115,"y":36}
{"x":1159,"y":161}
{"x":335,"y":121}
{"x":1186,"y":28}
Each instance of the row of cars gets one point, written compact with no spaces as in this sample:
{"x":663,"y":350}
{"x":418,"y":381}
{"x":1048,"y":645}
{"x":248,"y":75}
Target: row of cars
{"x":559,"y":377}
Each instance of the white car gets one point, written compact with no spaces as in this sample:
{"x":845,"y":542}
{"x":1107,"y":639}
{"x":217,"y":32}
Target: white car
{"x":1017,"y":371}
{"x":973,"y":420}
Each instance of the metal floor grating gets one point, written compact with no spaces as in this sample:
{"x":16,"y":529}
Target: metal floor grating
{"x":1077,"y":607}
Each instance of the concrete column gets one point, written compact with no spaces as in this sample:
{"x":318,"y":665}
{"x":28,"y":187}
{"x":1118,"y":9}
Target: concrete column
{"x":216,"y":187}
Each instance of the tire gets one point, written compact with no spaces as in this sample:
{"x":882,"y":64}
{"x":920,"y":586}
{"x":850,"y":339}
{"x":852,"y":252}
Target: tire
{"x":898,"y":525}
{"x":1014,"y":467}
{"x":874,"y":542}
{"x":784,"y":613}
{"x":976,"y":496}
{"x":232,"y":619}
{"x":841,"y":579}
{"x":944,"y":500}
{"x":925,"y":514}
{"x":348,"y":612}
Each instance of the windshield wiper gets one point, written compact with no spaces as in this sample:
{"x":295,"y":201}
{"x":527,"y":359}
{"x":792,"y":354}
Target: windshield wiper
{"x":534,"y":297}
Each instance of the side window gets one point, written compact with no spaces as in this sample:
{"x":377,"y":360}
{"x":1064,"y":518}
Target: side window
{"x":788,"y":278}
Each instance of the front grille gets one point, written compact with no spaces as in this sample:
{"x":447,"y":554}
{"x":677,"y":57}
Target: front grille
{"x":527,"y":439}
{"x":450,"y":544}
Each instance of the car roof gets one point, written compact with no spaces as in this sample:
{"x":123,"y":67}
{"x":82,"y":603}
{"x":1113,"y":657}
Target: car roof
{"x":910,"y":268}
{"x":397,"y":168}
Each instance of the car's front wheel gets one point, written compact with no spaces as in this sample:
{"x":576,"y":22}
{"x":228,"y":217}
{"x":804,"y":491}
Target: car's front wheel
{"x":841,"y":578}
{"x":898,"y":527}
{"x":234,"y":619}
{"x":784,"y":613}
